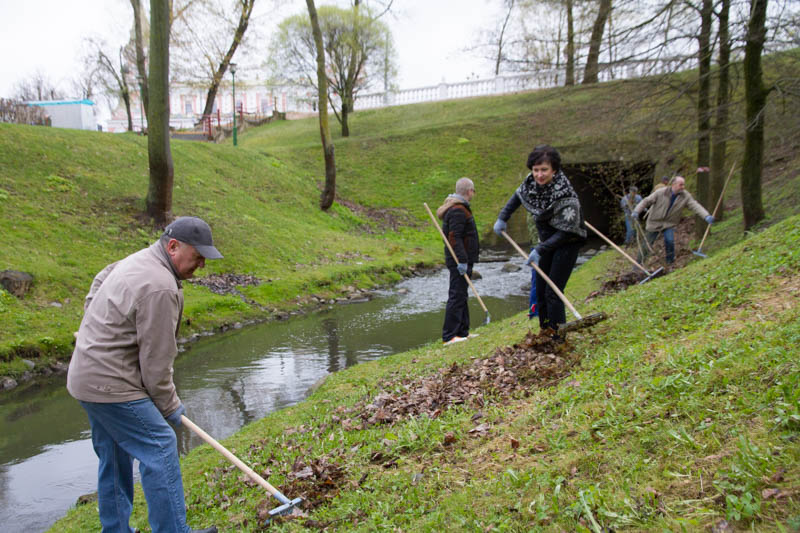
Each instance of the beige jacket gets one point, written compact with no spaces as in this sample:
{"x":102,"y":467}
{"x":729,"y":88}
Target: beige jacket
{"x":660,"y":218}
{"x":126,"y":343}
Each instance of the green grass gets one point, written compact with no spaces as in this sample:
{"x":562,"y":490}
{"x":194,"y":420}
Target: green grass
{"x":71,"y":201}
{"x":684,"y":411}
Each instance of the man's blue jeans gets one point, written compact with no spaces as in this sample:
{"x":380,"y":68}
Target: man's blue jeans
{"x":669,"y":244}
{"x":120,"y":433}
{"x":630,"y":234}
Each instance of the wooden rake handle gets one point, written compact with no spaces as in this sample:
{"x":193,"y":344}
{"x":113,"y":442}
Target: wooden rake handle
{"x":453,"y":253}
{"x":232,"y":458}
{"x":617,"y":248}
{"x":716,"y":208}
{"x":544,"y":276}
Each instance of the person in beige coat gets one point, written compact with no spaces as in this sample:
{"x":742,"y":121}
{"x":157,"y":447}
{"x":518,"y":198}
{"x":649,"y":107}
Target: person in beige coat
{"x":666,"y":206}
{"x":121,"y":373}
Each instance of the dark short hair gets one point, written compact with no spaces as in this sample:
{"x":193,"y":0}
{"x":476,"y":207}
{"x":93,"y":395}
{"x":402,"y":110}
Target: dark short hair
{"x":544,"y":153}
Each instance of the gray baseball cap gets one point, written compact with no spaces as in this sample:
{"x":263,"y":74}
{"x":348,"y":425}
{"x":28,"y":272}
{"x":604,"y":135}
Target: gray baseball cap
{"x":194,"y":231}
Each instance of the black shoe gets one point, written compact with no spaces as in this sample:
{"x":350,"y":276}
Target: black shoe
{"x":212,"y":529}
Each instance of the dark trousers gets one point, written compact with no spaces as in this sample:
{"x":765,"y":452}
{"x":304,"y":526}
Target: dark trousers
{"x":456,"y":313}
{"x":558,"y":266}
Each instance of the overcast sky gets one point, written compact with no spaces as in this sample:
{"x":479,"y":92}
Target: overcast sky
{"x":46,"y":35}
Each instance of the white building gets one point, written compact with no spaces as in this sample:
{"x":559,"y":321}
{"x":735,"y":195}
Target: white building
{"x":75,"y":114}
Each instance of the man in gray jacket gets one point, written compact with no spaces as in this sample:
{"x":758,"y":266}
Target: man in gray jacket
{"x":667,"y":204}
{"x":121,"y":373}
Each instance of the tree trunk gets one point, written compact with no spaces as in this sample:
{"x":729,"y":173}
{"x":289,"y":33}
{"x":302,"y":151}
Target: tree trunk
{"x":755,"y":102}
{"x":501,"y":39}
{"x":570,"y":74}
{"x":159,"y":193}
{"x":591,"y":71}
{"x":704,"y":113}
{"x":720,"y":131}
{"x":140,"y":59}
{"x":241,"y":28}
{"x":348,"y":100}
{"x":126,"y":99}
{"x":329,"y":192}
{"x":345,"y":114}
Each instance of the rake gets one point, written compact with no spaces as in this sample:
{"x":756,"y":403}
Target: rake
{"x":453,"y":253}
{"x":714,"y":214}
{"x":581,"y":322}
{"x":650,"y":275}
{"x":287,"y":505}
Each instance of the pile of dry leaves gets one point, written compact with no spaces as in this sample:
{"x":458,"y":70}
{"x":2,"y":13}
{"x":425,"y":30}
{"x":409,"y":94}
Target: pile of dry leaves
{"x":516,"y":370}
{"x":535,"y":362}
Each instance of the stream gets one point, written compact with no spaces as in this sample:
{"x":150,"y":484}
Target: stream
{"x":227,"y":381}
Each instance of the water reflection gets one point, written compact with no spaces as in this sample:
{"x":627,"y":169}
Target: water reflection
{"x":227,"y":381}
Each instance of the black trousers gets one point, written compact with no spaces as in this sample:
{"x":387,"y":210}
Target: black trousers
{"x":558,"y":266}
{"x":456,"y":313}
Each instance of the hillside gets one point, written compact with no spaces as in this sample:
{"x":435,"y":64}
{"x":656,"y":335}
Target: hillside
{"x":680,"y":412}
{"x":71,"y":202}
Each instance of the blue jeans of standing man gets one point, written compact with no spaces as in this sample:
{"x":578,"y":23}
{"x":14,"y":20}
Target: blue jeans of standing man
{"x":669,"y":245}
{"x":120,"y":433}
{"x":630,"y":234}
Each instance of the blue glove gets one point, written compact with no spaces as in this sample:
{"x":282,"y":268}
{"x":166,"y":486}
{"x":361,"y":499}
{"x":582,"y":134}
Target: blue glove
{"x":534,"y":257}
{"x":499,"y":227}
{"x":710,"y":220}
{"x":175,"y":418}
{"x":462,"y":268}
{"x":636,"y":215}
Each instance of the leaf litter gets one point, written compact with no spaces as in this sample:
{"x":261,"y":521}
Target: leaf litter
{"x":511,"y":371}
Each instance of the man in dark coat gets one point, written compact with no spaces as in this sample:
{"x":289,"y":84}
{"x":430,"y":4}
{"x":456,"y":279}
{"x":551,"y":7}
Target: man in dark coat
{"x":458,"y":225}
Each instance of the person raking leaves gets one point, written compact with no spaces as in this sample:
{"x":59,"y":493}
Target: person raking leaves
{"x":666,"y":205}
{"x":121,"y":373}
{"x":548,"y":195}
{"x":458,"y":227}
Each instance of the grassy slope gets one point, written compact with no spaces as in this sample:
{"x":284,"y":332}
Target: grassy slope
{"x":684,"y":411}
{"x":69,"y":201}
{"x":69,"y":204}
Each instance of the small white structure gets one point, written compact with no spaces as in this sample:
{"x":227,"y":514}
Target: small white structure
{"x":74,"y":114}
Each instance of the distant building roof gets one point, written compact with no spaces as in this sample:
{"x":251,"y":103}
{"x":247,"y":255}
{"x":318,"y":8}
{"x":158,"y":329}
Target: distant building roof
{"x":85,"y":101}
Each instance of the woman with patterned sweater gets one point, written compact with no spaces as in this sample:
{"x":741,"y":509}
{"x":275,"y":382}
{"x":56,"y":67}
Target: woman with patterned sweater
{"x":548,"y":195}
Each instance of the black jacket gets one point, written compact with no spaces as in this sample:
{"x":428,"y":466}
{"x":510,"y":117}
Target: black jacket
{"x":459,"y":227}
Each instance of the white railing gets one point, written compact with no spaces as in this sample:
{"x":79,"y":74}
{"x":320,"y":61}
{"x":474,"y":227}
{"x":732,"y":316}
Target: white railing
{"x":511,"y":83}
{"x":503,"y":84}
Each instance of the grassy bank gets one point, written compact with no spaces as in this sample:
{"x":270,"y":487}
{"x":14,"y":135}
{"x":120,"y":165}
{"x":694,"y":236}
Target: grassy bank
{"x":679,"y":412}
{"x":71,"y":201}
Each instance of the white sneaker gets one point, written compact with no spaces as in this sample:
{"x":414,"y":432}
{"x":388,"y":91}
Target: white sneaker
{"x":455,"y":340}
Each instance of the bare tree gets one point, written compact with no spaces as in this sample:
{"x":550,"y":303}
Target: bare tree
{"x":37,"y":86}
{"x":159,"y":193}
{"x":570,"y":51}
{"x":329,"y":191}
{"x":141,"y":57}
{"x":755,"y":102}
{"x":113,"y":75}
{"x":720,"y":130}
{"x":206,"y":34}
{"x":591,"y":70}
{"x":704,"y":112}
{"x":246,"y":9}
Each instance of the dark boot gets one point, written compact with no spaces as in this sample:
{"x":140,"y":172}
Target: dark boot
{"x":212,"y":529}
